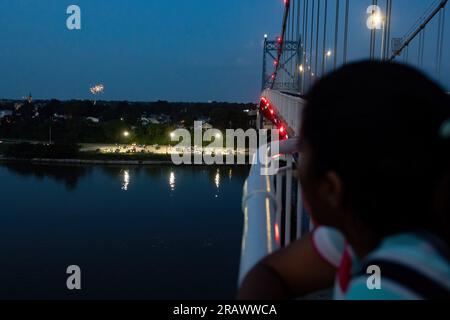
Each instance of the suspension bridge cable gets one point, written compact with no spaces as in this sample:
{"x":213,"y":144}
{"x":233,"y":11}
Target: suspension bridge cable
{"x":305,"y":52}
{"x":423,"y":16}
{"x":388,"y":28}
{"x":325,"y":18}
{"x":440,"y":42}
{"x":294,"y":17}
{"x":336,"y":35}
{"x":288,"y":67}
{"x":294,"y":39}
{"x":316,"y":71}
{"x":299,"y":39}
{"x":299,"y":35}
{"x":385,"y":32}
{"x":305,"y":23}
{"x":291,"y":22}
{"x":372,"y":37}
{"x":310,"y":64}
{"x":264,"y":75}
{"x":421,"y":48}
{"x":281,"y":42}
{"x":414,"y":33}
{"x":347,"y":4}
{"x":422,"y":53}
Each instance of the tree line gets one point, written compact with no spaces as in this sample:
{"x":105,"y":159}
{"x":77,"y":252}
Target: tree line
{"x":37,"y":121}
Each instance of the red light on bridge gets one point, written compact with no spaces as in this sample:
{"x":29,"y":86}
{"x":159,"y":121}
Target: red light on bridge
{"x":283,"y":132}
{"x":277,"y":233}
{"x":268,"y":111}
{"x":264,"y":105}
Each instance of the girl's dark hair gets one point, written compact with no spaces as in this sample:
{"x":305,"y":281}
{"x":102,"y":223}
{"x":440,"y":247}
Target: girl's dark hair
{"x":378,"y":126}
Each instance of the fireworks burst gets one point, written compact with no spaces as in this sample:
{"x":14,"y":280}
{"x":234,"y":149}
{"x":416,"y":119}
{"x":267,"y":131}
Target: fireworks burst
{"x":97,"y":89}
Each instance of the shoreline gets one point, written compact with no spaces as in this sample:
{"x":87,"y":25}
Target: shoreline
{"x":107,"y":162}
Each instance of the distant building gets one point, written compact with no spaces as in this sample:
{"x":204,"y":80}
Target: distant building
{"x":205,"y":120}
{"x":252,"y":117}
{"x":93,"y":120}
{"x":164,"y":119}
{"x":5,"y":113}
{"x":30,"y":98}
{"x":157,"y":119}
{"x":207,"y":126}
{"x":146,"y":121}
{"x":204,"y":126}
{"x":60,"y":116}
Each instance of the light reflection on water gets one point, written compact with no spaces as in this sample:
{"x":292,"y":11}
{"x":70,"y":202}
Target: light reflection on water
{"x":172,"y":181}
{"x":217,"y":179}
{"x":126,"y":179}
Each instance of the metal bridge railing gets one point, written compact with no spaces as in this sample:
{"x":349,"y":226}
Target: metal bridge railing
{"x":274,"y":214}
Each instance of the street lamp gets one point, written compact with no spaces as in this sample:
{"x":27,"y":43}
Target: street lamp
{"x":126,"y":134}
{"x":377,"y":21}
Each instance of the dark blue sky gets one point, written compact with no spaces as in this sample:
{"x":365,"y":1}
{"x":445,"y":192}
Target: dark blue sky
{"x":179,"y":50}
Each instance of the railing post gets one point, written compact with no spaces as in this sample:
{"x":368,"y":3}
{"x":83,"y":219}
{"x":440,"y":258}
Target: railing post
{"x":299,"y":210}
{"x":279,"y":194}
{"x":288,"y":203}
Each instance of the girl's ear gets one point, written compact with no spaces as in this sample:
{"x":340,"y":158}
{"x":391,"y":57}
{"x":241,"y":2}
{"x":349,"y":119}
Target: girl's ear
{"x":329,"y":200}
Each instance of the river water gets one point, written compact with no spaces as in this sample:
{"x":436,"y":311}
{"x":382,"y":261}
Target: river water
{"x":135,"y":232}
